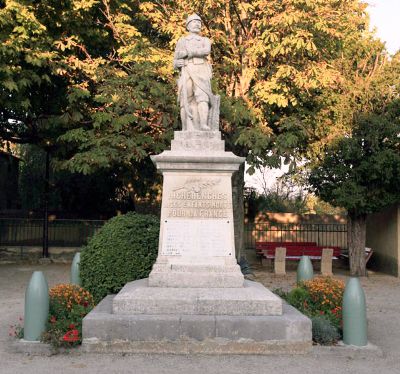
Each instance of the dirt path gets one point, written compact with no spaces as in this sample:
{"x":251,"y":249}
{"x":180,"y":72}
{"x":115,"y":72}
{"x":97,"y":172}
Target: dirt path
{"x":383,"y":303}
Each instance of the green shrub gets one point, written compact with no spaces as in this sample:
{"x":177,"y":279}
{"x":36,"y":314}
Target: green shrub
{"x":280,"y":292}
{"x":323,"y":331}
{"x":299,"y":298}
{"x":123,"y":250}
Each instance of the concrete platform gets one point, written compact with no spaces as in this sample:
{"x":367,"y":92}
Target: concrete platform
{"x":106,"y":332}
{"x":253,"y":299}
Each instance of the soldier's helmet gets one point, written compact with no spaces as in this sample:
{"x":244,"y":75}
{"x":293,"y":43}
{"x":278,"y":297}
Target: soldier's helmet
{"x":192,"y":18}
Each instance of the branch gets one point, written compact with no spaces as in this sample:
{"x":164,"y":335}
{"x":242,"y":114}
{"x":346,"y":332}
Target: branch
{"x":238,"y":16}
{"x":107,"y":14}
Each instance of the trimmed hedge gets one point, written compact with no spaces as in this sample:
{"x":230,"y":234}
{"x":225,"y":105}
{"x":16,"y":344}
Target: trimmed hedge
{"x":123,"y":250}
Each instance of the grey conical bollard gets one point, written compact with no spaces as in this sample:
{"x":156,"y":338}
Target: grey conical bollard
{"x":75,"y":276}
{"x":304,"y":269}
{"x":36,"y":307}
{"x":354,"y":314}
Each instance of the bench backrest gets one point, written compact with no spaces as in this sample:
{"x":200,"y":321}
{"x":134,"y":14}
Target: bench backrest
{"x":268,"y":245}
{"x":296,"y":250}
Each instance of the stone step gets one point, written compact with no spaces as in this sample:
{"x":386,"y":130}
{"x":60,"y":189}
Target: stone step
{"x":106,"y":332}
{"x":175,"y":278}
{"x":252,"y":299}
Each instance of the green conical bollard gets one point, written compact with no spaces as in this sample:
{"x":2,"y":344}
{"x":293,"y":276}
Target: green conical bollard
{"x":75,"y":276}
{"x":304,"y":269}
{"x":354,"y":314}
{"x":36,"y":307}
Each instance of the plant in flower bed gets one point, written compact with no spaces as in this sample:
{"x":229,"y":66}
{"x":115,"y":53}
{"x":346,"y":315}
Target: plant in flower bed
{"x":321,"y":300}
{"x":17,"y":330}
{"x":69,"y":303}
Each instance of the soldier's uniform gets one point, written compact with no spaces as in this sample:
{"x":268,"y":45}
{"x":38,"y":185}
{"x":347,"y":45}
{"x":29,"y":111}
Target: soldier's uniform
{"x":196,"y":73}
{"x":194,"y":84}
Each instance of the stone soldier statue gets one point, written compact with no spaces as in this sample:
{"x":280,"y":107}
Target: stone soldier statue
{"x":199,"y":107}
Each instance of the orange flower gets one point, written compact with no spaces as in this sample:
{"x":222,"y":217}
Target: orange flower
{"x":70,"y":295}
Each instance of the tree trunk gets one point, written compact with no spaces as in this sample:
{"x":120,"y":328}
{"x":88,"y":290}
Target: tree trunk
{"x":238,"y":210}
{"x":356,"y":229}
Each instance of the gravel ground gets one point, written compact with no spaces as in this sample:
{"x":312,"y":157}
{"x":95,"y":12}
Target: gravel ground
{"x":383,"y":303}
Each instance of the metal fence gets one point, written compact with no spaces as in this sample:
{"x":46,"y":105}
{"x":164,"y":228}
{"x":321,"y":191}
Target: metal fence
{"x":75,"y":233}
{"x":322,"y":234}
{"x":62,"y":232}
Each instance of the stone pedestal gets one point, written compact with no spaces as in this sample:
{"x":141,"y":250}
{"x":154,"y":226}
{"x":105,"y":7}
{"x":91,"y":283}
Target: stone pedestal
{"x":196,"y":293}
{"x":197,"y":247}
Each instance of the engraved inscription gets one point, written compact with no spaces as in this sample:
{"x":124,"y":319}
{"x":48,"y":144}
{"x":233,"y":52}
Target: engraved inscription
{"x":199,"y":238}
{"x":198,"y":198}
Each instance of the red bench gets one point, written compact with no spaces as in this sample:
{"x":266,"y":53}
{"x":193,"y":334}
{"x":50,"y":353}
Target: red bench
{"x":294,"y":250}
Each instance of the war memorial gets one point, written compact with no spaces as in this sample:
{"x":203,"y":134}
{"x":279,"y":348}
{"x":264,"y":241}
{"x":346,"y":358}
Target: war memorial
{"x":196,"y":299}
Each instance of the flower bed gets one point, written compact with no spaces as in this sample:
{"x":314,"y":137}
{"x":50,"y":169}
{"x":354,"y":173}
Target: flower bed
{"x":321,"y":300}
{"x":69,"y":304}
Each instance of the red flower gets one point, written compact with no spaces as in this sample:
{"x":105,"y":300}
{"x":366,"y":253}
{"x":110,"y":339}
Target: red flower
{"x":53,"y":319}
{"x":85,"y":304}
{"x":71,"y":326}
{"x":71,"y":336}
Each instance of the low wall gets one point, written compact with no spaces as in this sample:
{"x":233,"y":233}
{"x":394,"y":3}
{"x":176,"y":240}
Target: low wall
{"x":300,"y":218}
{"x":383,"y":236}
{"x":32,"y":254}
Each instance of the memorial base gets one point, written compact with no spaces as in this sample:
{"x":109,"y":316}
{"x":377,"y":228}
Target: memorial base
{"x":196,"y":276}
{"x":107,"y":332}
{"x":196,"y":299}
{"x":251,"y":299}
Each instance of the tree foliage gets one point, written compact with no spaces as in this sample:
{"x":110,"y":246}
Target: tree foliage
{"x":361,"y":171}
{"x":82,"y":76}
{"x":93,"y":79}
{"x":271,"y":59}
{"x":98,"y":73}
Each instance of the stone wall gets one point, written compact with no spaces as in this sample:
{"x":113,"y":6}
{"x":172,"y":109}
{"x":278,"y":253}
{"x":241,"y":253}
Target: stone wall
{"x":32,"y":254}
{"x":383,"y":236}
{"x":300,"y":218}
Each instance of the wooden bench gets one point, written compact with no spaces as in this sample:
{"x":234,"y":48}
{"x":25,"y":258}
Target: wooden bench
{"x":368,"y":253}
{"x":294,"y":250}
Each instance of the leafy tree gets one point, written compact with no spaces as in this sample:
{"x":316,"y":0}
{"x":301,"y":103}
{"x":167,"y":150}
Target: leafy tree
{"x":281,"y":197}
{"x":272,"y":64}
{"x":78,"y":80}
{"x":111,"y":91}
{"x":361,"y":171}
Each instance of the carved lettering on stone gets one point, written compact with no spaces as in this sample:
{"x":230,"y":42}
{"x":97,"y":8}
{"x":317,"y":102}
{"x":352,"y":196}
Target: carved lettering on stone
{"x":198,"y":198}
{"x":199,"y":239}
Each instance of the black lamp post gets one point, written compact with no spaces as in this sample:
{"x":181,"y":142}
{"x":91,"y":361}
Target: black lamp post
{"x":45,"y":252}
